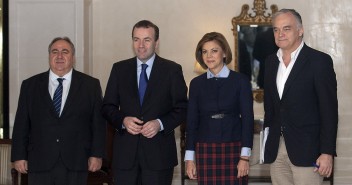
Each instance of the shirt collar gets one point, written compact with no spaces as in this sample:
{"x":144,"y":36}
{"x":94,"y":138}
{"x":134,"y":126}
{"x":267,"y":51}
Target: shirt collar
{"x":294,"y":54}
{"x":224,"y":73}
{"x":149,"y":62}
{"x":54,"y":77}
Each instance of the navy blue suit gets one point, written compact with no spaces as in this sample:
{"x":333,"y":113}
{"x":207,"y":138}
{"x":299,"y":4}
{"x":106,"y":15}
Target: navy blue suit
{"x":231,"y":96}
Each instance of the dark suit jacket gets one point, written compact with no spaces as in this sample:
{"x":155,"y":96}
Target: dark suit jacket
{"x":307,"y":111}
{"x":165,"y":98}
{"x":40,"y":136}
{"x":231,"y":96}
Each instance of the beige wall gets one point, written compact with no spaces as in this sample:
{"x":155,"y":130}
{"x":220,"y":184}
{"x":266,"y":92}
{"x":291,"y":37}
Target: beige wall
{"x":182,"y":23}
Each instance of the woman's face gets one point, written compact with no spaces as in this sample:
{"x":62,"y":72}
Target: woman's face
{"x":213,"y":56}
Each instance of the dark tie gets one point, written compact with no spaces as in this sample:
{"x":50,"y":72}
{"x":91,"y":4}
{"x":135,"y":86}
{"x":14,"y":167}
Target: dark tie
{"x":58,"y":97}
{"x":143,"y":80}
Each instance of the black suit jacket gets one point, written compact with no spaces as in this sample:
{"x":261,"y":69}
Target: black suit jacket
{"x":307,"y":111}
{"x":165,"y":99}
{"x":40,"y":136}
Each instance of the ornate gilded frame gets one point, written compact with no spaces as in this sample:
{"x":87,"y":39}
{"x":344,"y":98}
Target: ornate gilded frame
{"x":259,"y":17}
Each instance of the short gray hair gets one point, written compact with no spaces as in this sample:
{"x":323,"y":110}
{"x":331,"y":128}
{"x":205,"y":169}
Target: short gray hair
{"x":293,"y":12}
{"x":67,"y":39}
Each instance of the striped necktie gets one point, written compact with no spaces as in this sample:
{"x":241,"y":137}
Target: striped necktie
{"x":57,"y":99}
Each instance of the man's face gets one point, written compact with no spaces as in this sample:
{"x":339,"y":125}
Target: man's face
{"x":288,"y":36}
{"x":61,"y":58}
{"x":144,"y":43}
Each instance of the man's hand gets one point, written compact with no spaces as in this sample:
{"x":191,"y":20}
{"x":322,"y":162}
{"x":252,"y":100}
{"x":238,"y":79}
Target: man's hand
{"x":324,"y":163}
{"x":242,"y":167}
{"x":94,"y":164}
{"x":133,"y":125}
{"x":191,"y":169}
{"x":150,"y":129}
{"x":21,"y":166}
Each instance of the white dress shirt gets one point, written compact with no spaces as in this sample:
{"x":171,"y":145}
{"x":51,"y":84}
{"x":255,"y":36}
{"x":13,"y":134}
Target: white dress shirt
{"x":283,"y":72}
{"x":53,"y":84}
{"x":150,"y":63}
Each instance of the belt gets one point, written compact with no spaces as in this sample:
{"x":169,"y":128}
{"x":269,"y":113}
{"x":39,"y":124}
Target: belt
{"x":217,"y":116}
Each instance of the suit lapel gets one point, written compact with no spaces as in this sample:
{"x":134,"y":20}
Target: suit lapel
{"x":297,"y":68}
{"x":127,"y":73}
{"x":76,"y":83}
{"x":273,"y":74}
{"x":131,"y":73}
{"x":44,"y":92}
{"x":154,"y":79}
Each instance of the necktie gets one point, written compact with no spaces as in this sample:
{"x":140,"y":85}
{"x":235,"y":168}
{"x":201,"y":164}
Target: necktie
{"x":58,"y":97}
{"x":143,"y":80}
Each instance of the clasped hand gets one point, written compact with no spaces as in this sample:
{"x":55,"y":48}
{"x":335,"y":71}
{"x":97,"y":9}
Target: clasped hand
{"x":135,"y":126}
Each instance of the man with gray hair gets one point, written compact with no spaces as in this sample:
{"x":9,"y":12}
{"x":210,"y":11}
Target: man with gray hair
{"x":301,"y":108}
{"x":59,"y":133}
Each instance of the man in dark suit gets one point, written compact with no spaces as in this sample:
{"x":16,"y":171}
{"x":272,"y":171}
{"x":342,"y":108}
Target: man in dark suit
{"x":145,"y":119}
{"x":59,"y":132}
{"x":301,"y":107}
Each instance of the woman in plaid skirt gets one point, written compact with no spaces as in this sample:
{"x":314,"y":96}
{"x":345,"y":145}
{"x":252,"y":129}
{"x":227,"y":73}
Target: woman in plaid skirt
{"x":219,"y":133}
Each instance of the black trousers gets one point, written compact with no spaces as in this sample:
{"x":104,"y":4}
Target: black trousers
{"x":58,"y":175}
{"x":141,"y":174}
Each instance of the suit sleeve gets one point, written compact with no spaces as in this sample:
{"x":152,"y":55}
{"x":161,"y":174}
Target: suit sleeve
{"x":326,"y":89}
{"x":98,"y":124}
{"x":268,"y":103}
{"x":20,"y":136}
{"x":247,"y":115}
{"x":178,"y":91}
{"x":192,"y":117}
{"x":111,"y":102}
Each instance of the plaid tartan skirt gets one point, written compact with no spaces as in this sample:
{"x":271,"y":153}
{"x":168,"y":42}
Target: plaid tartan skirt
{"x":217,"y":164}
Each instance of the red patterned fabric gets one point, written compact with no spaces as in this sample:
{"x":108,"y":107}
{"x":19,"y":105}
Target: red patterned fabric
{"x":217,"y":164}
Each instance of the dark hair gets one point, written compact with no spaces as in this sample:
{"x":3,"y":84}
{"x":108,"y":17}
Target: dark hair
{"x":218,"y":38}
{"x":293,"y":12}
{"x":147,"y":24}
{"x":65,"y":39}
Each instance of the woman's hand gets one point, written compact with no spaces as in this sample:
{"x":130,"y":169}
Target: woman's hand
{"x":243,"y":167}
